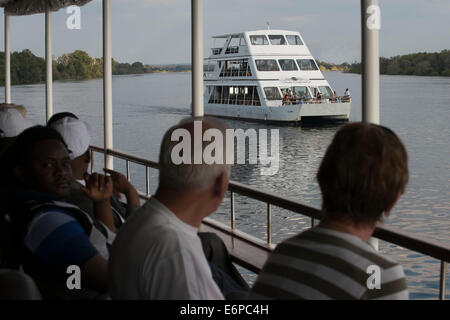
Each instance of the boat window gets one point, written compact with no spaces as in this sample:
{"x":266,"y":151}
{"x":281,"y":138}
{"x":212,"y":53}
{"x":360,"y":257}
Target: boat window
{"x":314,"y":91}
{"x":240,"y":95}
{"x":210,"y":67}
{"x":217,"y":45}
{"x":234,"y":41}
{"x":236,"y":68}
{"x":242,"y":41}
{"x":307,"y":64}
{"x":272,"y":93}
{"x":294,"y":40}
{"x":277,"y":39}
{"x":267,"y":65}
{"x":288,"y":64}
{"x":326,"y":91}
{"x":233,"y":46}
{"x":259,"y":40}
{"x":301,"y":91}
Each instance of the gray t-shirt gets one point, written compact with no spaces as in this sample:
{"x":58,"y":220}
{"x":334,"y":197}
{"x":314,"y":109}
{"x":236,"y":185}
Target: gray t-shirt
{"x":158,"y":256}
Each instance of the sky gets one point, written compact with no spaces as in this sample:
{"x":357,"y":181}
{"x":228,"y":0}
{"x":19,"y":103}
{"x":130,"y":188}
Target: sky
{"x":159,"y":31}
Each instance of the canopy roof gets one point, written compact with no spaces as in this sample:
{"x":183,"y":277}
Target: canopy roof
{"x":26,"y":7}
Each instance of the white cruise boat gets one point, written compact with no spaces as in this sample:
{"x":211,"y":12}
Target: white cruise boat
{"x":268,"y":75}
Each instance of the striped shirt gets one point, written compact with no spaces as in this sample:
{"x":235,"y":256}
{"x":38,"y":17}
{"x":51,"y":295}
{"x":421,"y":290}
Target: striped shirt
{"x":325,"y":264}
{"x":59,"y":235}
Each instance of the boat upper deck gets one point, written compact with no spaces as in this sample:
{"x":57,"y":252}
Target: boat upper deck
{"x":260,"y":43}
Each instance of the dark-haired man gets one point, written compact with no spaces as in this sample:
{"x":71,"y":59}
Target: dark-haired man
{"x":54,"y":234}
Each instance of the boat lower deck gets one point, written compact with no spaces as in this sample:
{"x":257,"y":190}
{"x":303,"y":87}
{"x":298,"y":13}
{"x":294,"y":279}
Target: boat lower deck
{"x":293,"y":113}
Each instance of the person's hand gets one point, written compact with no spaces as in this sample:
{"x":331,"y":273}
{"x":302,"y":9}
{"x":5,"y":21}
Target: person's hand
{"x":120,"y":183}
{"x":98,"y":187}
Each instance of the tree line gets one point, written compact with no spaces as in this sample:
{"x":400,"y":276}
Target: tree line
{"x":327,"y":66}
{"x":26,"y":68}
{"x":417,"y":64}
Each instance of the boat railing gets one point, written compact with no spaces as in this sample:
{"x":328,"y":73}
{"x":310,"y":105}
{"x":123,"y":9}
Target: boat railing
{"x":230,"y":50}
{"x":235,"y":73}
{"x":293,"y":101}
{"x":245,"y":102}
{"x":389,"y":234}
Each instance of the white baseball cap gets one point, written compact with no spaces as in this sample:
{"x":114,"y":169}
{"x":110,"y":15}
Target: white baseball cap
{"x":12,"y":123}
{"x":76,"y":134}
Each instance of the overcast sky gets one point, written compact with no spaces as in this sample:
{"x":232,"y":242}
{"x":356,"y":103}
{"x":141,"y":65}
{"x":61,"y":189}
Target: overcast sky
{"x":158,"y":31}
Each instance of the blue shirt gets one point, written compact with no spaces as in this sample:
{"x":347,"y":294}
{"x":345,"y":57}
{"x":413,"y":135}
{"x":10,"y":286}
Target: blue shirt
{"x":57,"y":239}
{"x":55,"y":234}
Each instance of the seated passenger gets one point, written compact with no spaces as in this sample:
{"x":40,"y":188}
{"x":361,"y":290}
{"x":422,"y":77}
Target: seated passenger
{"x":335,"y":96}
{"x":16,"y":285}
{"x":54,"y":234}
{"x":319,"y":97}
{"x":12,"y":123}
{"x":158,"y":253}
{"x":305,"y":97}
{"x":286,"y":98}
{"x":363,"y":174}
{"x":77,"y":136}
{"x":294,"y":98}
{"x":18,"y":107}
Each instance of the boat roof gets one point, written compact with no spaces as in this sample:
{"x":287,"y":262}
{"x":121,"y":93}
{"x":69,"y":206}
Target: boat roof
{"x":262,"y":31}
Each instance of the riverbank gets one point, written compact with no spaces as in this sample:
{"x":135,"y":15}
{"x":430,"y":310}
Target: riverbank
{"x":27,"y":68}
{"x":414,"y":64}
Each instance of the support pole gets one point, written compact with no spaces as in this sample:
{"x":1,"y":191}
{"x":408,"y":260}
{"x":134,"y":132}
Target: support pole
{"x":107,"y":84}
{"x":7,"y":61}
{"x":49,"y":65}
{"x":197,"y":58}
{"x":370,"y":26}
{"x":370,"y":18}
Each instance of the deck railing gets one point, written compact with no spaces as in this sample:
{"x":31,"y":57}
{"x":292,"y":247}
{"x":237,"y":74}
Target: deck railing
{"x":245,"y":102}
{"x":394,"y":236}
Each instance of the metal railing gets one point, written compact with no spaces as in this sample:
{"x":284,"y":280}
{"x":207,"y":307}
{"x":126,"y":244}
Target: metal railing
{"x":315,"y":100}
{"x":236,"y":73}
{"x":394,"y":236}
{"x":230,"y":50}
{"x":244,"y":102}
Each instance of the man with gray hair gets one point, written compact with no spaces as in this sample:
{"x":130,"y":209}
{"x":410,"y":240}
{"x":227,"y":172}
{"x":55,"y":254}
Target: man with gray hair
{"x":157,"y":254}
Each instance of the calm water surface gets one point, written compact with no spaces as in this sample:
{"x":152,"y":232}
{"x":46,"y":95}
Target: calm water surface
{"x":416,"y":108}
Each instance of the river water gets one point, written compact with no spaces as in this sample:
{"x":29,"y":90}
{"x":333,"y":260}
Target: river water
{"x":416,"y":108}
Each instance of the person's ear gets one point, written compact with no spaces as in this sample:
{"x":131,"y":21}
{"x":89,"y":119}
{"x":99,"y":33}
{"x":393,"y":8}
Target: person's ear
{"x":19,"y":174}
{"x":221,"y":185}
{"x":387,"y":212}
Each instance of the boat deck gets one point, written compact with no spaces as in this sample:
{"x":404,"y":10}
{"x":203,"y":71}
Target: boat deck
{"x":251,"y":253}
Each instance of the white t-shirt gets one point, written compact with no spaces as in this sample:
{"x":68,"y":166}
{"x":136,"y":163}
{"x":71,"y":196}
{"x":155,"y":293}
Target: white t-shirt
{"x":158,"y":256}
